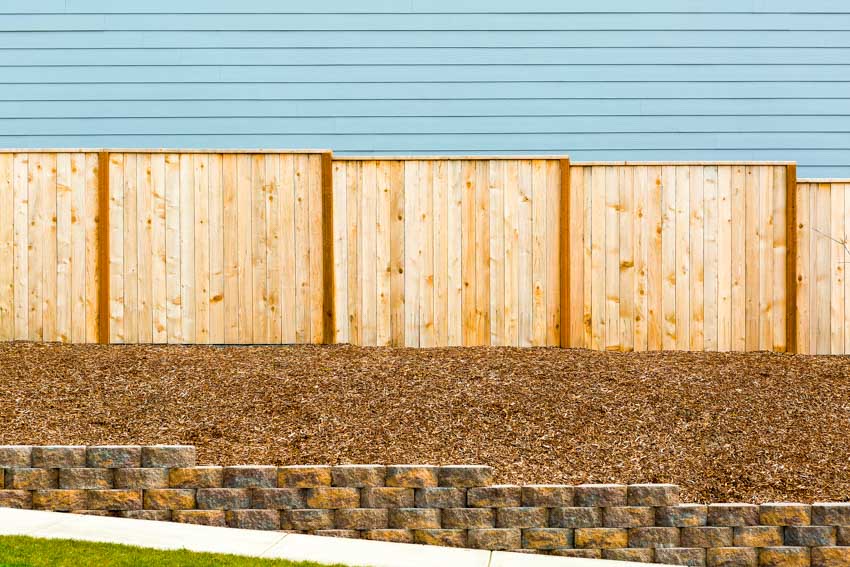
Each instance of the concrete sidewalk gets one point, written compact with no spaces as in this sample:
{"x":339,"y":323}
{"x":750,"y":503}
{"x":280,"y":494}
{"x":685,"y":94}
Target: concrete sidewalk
{"x":168,"y":535}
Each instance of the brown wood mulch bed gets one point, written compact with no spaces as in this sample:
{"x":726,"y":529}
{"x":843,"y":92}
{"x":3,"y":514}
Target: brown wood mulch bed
{"x":751,"y":427}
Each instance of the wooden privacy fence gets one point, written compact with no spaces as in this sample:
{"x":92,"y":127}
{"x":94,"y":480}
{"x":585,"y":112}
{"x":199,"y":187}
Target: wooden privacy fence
{"x":182,"y":246}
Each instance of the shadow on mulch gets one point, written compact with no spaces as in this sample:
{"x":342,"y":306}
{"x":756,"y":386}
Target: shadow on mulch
{"x":726,"y":427}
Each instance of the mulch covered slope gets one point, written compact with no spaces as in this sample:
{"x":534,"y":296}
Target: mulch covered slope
{"x":727,"y":427}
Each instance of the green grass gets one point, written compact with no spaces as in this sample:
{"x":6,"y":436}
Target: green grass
{"x":19,"y":551}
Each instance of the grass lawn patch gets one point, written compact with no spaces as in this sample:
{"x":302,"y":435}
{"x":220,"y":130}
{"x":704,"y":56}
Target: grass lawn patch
{"x":22,"y":551}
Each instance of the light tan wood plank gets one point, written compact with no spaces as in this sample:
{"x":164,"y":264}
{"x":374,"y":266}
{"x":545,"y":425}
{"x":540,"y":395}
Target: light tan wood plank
{"x":95,"y":319}
{"x":456,"y":250}
{"x":835,"y":236}
{"x":63,"y":248}
{"x":553,"y":253}
{"x":116,"y":248}
{"x":482,"y":256}
{"x":780,"y":251}
{"x":188,"y":279}
{"x":383,"y":269}
{"x":354,"y":183}
{"x":216,"y":254}
{"x":302,"y":250}
{"x":845,"y":189}
{"x":425,"y":253}
{"x":316,"y":290}
{"x":259,"y":245}
{"x":412,"y":250}
{"x":526,"y":264}
{"x":655,"y":266}
{"x":765,"y":234}
{"x":159,"y":254}
{"x":468,"y":262}
{"x":612,"y":259}
{"x":131,"y":269}
{"x":20,"y":163}
{"x":173,"y":261}
{"x":340,"y":189}
{"x":711,"y":303}
{"x":538,"y":252}
{"x":725,"y":255}
{"x":670,"y":194}
{"x":496,"y":211}
{"x":626,"y":215}
{"x":441,"y":252}
{"x":510,"y":219}
{"x":576,"y":257}
{"x":78,"y":248}
{"x":697,"y":267}
{"x":823,"y":261}
{"x":274,"y":276}
{"x":641,"y":232}
{"x":587,"y":258}
{"x":739,"y":258}
{"x":244,"y":231}
{"x":598,"y":252}
{"x":397,"y":251}
{"x":7,"y":248}
{"x":804,"y":276}
{"x":49,"y":258}
{"x":288,"y":300}
{"x":368,"y":265}
{"x":753,"y":274}
{"x":144,"y":251}
{"x":683,"y":258}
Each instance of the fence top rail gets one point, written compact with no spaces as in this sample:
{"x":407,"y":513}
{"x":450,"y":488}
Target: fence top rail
{"x":754,"y":162}
{"x":161,"y":151}
{"x":447,"y":157}
{"x":820,"y":180}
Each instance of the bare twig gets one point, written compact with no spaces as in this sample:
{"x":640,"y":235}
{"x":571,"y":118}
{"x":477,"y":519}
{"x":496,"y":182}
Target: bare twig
{"x":842,"y":243}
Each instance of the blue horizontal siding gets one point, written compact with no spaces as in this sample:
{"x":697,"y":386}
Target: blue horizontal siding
{"x":601,"y":80}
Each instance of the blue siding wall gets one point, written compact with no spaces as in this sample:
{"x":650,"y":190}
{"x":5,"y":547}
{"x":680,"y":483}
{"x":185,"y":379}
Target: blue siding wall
{"x":599,"y":79}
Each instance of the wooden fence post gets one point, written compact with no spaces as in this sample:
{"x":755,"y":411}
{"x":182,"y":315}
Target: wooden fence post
{"x":102,"y":222}
{"x":564,"y":256}
{"x":328,"y":283}
{"x":791,"y":258}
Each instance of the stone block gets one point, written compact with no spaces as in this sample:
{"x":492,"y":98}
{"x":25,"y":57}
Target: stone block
{"x":784,"y":557}
{"x":843,"y":535}
{"x":199,"y":517}
{"x":253,"y":519}
{"x":16,"y":499}
{"x":830,"y":556}
{"x":548,"y":495}
{"x":169,"y":499}
{"x":101,"y":513}
{"x":577,"y":553}
{"x":304,"y":476}
{"x":141,"y":478}
{"x":117,"y":499}
{"x":331,"y":497}
{"x":15,"y":456}
{"x":683,"y":515}
{"x":196,"y":477}
{"x":31,"y":479}
{"x":168,"y":456}
{"x":114,"y":456}
{"x":414,"y":518}
{"x":386,"y":497}
{"x":498,"y":496}
{"x":495,"y":538}
{"x":412,"y":476}
{"x":635,"y":554}
{"x":599,"y":495}
{"x":347,"y":534}
{"x":465,"y":476}
{"x":388,"y":534}
{"x":59,"y":500}
{"x":155,"y":515}
{"x":757,"y":536}
{"x":547,"y":538}
{"x":278,"y":498}
{"x":785,"y":514}
{"x":466,"y":518}
{"x":687,"y":556}
{"x":831,"y":513}
{"x":358,"y":476}
{"x":731,"y":557}
{"x":223,"y":498}
{"x":628,"y":516}
{"x":653,"y":494}
{"x":59,"y":457}
{"x":443,"y":497}
{"x":86,"y":478}
{"x":654,"y":537}
{"x":361,"y":519}
{"x":249,"y":476}
{"x":522,"y":517}
{"x":574,"y":517}
{"x":443,"y":537}
{"x":307,"y":519}
{"x":733,"y":514}
{"x":809,"y":536}
{"x":601,"y":538}
{"x":707,"y":536}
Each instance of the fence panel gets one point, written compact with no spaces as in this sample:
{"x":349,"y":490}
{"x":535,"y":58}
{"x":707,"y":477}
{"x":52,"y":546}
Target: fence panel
{"x":823,"y":292}
{"x":209,"y":247}
{"x":679,"y":256}
{"x":447,"y":251}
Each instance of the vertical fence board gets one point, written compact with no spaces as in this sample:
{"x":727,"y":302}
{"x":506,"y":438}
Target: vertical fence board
{"x":7,"y":248}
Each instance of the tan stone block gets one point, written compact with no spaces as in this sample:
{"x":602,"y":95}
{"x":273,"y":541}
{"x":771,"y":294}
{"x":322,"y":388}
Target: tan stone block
{"x":578,"y":553}
{"x":442,"y":497}
{"x":118,"y":499}
{"x":86,"y":478}
{"x":442,"y":537}
{"x":628,"y":516}
{"x":358,"y":476}
{"x":784,"y":557}
{"x":731,"y":557}
{"x":141,"y":478}
{"x":113,"y":456}
{"x":412,"y":476}
{"x":785,"y":514}
{"x":843,"y":535}
{"x":249,"y":476}
{"x":59,"y":500}
{"x":733,"y":514}
{"x":253,"y":519}
{"x":31,"y":479}
{"x":548,"y":495}
{"x":547,"y":538}
{"x":522,"y":517}
{"x":575,"y":517}
{"x":168,"y":456}
{"x":278,"y":498}
{"x":414,"y":518}
{"x":758,"y":536}
{"x":830,"y":556}
{"x":21,"y":499}
{"x":307,"y":519}
{"x":707,"y":536}
{"x":199,"y":517}
{"x":169,"y":499}
{"x":465,"y":476}
{"x":58,"y":457}
{"x":223,"y":498}
{"x":498,"y":496}
{"x":654,"y":537}
{"x":361,"y":519}
{"x":155,"y":515}
{"x":15,"y":456}
{"x":101,"y":513}
{"x":687,"y":556}
{"x":653,"y":495}
{"x":388,"y":534}
{"x":347,"y":534}
{"x":599,"y":495}
{"x":601,"y":538}
{"x":495,"y":538}
{"x":386,"y":497}
{"x":332,"y":497}
{"x":196,"y":477}
{"x":635,"y":554}
{"x":466,"y":518}
{"x":831,"y":513}
{"x":303,"y":476}
{"x":681,"y":516}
